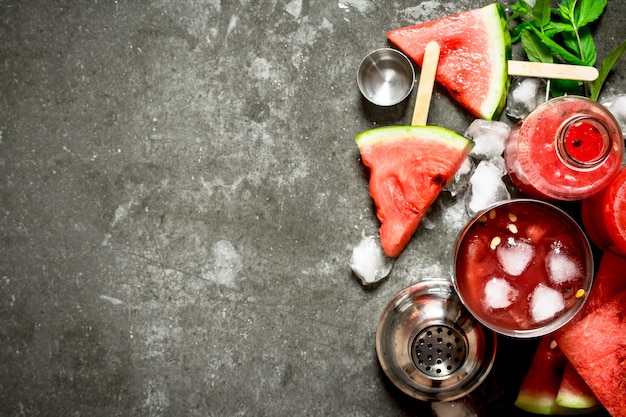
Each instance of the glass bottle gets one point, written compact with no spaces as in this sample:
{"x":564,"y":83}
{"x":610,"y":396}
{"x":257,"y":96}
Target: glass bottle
{"x":568,"y":148}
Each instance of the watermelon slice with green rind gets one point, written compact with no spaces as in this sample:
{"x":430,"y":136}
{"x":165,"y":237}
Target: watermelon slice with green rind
{"x":409,"y":166}
{"x":574,"y":393}
{"x":475,"y":47}
{"x":596,"y":346}
{"x":540,"y":386}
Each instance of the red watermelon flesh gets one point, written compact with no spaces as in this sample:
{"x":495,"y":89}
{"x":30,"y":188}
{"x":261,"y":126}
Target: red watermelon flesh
{"x":538,"y":391}
{"x":610,"y":279}
{"x":596,"y":346}
{"x":475,"y":47}
{"x":409,"y":166}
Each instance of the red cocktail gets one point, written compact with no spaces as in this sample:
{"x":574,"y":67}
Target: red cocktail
{"x":569,"y":148}
{"x":523,"y":267}
{"x":604,"y":216}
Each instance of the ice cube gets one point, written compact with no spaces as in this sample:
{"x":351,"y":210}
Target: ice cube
{"x":369,"y":261}
{"x":486,"y":185}
{"x":454,"y":408}
{"x":545,"y":303}
{"x":525,"y":94}
{"x":499,"y":294}
{"x":461,"y":178}
{"x":489,"y":137}
{"x":562,"y":268}
{"x":515,"y":256}
{"x":617,"y":106}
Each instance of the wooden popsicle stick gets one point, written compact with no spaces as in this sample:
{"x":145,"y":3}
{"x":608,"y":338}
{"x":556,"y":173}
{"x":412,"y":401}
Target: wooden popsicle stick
{"x":560,"y":71}
{"x":426,"y":83}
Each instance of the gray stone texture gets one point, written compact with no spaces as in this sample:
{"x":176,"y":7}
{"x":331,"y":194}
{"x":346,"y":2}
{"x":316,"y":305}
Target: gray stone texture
{"x":180,"y":192}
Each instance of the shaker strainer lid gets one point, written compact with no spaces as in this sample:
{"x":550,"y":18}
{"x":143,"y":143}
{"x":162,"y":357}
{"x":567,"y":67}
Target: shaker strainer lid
{"x":430,"y":346}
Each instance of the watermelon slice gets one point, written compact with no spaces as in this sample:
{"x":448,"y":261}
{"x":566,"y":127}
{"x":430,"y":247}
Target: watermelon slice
{"x":409,"y":166}
{"x":475,"y":49}
{"x":609,"y":280}
{"x":574,"y":393}
{"x":539,"y":389}
{"x":596,"y":346}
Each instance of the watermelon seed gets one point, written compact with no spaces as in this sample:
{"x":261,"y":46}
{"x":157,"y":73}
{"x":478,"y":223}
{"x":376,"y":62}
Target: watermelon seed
{"x":513,"y":217}
{"x":495,"y":242}
{"x":492,"y":214}
{"x":512,"y":228}
{"x":580,"y":293}
{"x":483,"y":219}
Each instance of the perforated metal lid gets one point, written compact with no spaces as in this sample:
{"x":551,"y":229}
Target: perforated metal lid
{"x":430,"y":347}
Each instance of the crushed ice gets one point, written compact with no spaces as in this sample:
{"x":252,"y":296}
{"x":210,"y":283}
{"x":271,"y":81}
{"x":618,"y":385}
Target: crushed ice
{"x":525,"y":94}
{"x":499,"y":294}
{"x":545,"y":303}
{"x":489,"y":138}
{"x":455,"y":408}
{"x":461,"y":178}
{"x":486,"y":186}
{"x":562,"y":268}
{"x":515,"y":256}
{"x":369,"y":261}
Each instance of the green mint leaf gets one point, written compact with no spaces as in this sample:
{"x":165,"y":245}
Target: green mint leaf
{"x":606,"y":67}
{"x":554,"y":28}
{"x":522,"y":8}
{"x":589,"y":11}
{"x":562,"y":87}
{"x":558,"y":50}
{"x":570,"y":41}
{"x":588,"y":46}
{"x":566,"y":11}
{"x":583,"y":45}
{"x":517,"y":30}
{"x":535,"y":50}
{"x":541,"y":12}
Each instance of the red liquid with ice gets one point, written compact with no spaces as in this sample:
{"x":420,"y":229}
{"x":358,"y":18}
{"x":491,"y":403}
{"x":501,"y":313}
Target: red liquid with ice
{"x":569,"y":148}
{"x":521,"y":265}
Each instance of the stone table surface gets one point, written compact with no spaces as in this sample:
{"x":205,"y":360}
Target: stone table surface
{"x":180,"y":193}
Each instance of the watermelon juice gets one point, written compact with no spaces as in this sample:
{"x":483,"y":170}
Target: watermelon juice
{"x":523,"y":267}
{"x":569,"y":148}
{"x":604,"y":216}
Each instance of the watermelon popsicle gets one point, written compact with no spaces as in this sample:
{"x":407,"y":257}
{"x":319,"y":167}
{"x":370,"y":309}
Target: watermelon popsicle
{"x":475,"y":64}
{"x":410,"y":165}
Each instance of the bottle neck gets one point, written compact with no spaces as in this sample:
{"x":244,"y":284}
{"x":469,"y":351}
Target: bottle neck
{"x":583,"y":142}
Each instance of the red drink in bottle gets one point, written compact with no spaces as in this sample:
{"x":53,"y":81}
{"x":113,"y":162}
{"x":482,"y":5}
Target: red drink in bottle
{"x":569,"y":148}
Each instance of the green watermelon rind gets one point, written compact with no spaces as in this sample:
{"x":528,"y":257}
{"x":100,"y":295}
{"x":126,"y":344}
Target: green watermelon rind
{"x":536,"y":403}
{"x":387,"y":133}
{"x":581,"y":398}
{"x":494,"y":17}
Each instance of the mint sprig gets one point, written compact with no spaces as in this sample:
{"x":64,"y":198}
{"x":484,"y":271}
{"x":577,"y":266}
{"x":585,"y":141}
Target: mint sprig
{"x":564,"y":35}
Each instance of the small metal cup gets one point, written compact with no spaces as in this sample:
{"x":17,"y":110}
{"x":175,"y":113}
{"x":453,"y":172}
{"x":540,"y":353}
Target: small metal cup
{"x":386,"y":77}
{"x":430,"y":346}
